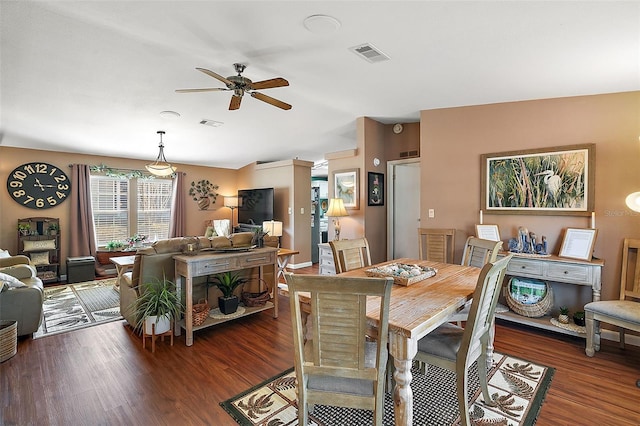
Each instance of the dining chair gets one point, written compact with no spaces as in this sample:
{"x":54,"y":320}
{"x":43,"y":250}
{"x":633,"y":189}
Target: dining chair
{"x":624,"y":312}
{"x":477,"y":252}
{"x":456,"y":349}
{"x":436,"y":245}
{"x":350,"y":254}
{"x":337,"y":365}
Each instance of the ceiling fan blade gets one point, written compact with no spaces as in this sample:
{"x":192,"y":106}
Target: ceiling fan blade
{"x":235,"y":102}
{"x":270,"y":100}
{"x":211,"y":89}
{"x":216,"y":76}
{"x":268,"y":84}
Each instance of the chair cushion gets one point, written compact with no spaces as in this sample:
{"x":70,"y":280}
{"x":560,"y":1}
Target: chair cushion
{"x":442,"y":342}
{"x":625,"y":310}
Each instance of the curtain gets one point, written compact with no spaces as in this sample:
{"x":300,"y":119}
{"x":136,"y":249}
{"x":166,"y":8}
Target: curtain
{"x":82,"y":240}
{"x":178,"y":223}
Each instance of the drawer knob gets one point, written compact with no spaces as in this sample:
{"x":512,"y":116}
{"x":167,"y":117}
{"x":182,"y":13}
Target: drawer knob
{"x":523,"y":267}
{"x":565,"y":272}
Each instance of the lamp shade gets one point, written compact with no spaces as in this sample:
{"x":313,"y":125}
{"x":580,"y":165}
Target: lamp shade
{"x":161,"y":166}
{"x":336,"y":208}
{"x":231,"y":202}
{"x":633,"y":201}
{"x":273,"y":228}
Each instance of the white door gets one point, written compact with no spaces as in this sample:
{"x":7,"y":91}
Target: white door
{"x":403,"y":209}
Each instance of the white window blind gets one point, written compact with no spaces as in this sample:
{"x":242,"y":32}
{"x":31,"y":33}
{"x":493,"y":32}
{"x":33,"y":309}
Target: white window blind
{"x":122,"y":208}
{"x":110,"y":203}
{"x":154,"y":208}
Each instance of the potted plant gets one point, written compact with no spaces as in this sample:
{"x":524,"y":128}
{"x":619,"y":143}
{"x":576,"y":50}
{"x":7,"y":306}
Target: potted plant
{"x":137,"y":240}
{"x":53,"y":228}
{"x":564,"y":315}
{"x":114,"y":245}
{"x":157,"y":304}
{"x":227,"y":282}
{"x":24,"y":228}
{"x":203,"y":192}
{"x":258,"y":237}
{"x":578,"y":318}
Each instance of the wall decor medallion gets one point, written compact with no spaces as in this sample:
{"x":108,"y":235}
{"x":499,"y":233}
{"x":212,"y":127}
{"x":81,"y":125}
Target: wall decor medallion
{"x":204,"y":193}
{"x":38,"y":185}
{"x":551,"y":181}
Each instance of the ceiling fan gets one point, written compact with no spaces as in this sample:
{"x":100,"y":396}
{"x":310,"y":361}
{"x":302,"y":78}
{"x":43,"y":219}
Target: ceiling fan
{"x":241,"y":85}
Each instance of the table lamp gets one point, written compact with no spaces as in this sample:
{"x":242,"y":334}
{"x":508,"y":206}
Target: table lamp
{"x":273,"y":228}
{"x":336,"y":209}
{"x":232,"y":203}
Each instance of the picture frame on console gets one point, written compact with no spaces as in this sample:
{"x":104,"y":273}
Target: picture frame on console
{"x":546,"y":181}
{"x":578,"y":243}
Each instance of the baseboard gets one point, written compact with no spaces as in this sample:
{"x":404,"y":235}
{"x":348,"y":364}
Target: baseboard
{"x":614,"y":336}
{"x":299,"y":265}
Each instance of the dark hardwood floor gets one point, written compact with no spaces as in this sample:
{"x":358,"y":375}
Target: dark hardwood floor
{"x":102,"y":376}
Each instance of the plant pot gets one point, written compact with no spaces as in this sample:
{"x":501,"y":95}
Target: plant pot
{"x":578,"y":320}
{"x":203,"y":203}
{"x":563,"y":319}
{"x":162,"y":324}
{"x":228,"y":305}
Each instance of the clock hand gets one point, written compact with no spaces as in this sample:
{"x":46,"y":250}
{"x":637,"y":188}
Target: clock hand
{"x":38,"y":183}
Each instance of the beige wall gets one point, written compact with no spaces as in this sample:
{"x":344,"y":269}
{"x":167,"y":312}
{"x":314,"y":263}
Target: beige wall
{"x":291,"y":180}
{"x":453,"y":139}
{"x":10,"y":211}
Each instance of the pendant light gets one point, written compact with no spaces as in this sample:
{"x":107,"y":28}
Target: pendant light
{"x":161,"y":167}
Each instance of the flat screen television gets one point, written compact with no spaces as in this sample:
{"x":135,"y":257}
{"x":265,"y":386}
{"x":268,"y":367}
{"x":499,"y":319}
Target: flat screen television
{"x":256,"y":206}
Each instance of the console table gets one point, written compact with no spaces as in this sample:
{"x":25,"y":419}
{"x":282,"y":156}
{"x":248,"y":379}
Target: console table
{"x":189,"y":267}
{"x":557,"y":270}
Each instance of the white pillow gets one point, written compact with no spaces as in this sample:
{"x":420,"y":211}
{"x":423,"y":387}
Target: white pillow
{"x":11,"y":281}
{"x":222,"y":227}
{"x":4,"y":253}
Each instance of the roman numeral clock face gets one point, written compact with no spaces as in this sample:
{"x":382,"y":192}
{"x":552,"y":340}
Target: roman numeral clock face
{"x":38,"y":185}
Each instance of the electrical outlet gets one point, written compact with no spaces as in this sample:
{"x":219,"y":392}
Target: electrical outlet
{"x":432,"y":213}
{"x":301,"y":210}
{"x":290,"y":211}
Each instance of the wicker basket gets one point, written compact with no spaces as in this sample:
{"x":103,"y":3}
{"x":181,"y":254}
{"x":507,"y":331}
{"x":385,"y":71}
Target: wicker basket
{"x":532,"y":310}
{"x":8,"y":339}
{"x":257,"y":299}
{"x":200,"y":312}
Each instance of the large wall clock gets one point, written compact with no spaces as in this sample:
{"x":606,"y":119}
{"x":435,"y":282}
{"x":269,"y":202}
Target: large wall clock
{"x":38,"y":185}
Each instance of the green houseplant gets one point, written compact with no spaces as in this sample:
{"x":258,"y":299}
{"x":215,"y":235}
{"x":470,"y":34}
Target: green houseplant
{"x":24,"y":228}
{"x":564,"y":315}
{"x":227,"y":282}
{"x":578,"y":318}
{"x":53,"y":228}
{"x":157,"y":304}
{"x":114,"y":245}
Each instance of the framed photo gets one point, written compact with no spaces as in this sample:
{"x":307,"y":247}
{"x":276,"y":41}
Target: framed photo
{"x":375,"y":189}
{"x":488,"y":232}
{"x":346,"y":186}
{"x":578,"y":243}
{"x":549,"y":181}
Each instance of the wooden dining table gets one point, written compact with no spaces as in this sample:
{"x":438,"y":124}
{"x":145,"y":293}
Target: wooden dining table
{"x":414,"y":311}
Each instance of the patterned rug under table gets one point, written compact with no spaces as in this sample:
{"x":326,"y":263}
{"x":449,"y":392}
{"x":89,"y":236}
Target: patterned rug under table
{"x":75,"y":306}
{"x":518,"y":387}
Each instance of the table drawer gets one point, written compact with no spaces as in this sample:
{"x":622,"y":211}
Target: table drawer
{"x":575,"y":274}
{"x":256,"y":259}
{"x":212,"y":266}
{"x":522,"y":266}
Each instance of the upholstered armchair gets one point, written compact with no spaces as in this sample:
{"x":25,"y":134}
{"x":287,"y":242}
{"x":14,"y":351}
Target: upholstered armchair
{"x":21,"y":294}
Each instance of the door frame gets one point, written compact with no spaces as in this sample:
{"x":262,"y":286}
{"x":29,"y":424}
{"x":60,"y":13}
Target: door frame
{"x":390,"y":199}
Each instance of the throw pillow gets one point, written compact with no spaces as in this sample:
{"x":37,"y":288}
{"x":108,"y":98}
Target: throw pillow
{"x":40,"y":258}
{"x":4,"y":254}
{"x":11,"y":281}
{"x":39,"y":245}
{"x":210,"y":232}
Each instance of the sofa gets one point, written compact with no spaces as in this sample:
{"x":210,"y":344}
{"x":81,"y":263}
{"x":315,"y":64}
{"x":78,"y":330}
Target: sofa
{"x":156,"y":262}
{"x":21,"y":294}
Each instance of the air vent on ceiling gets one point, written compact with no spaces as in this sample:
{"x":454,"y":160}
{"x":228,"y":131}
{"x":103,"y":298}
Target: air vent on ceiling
{"x":212,"y":123}
{"x":369,"y":53}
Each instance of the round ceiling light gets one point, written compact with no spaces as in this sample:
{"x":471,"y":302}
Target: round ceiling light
{"x":172,"y":115}
{"x":321,"y":24}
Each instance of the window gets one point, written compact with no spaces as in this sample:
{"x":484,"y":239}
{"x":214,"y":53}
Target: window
{"x":123,"y":207}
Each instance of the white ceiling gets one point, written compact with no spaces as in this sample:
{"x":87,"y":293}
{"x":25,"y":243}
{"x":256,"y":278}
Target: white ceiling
{"x":93,"y":76}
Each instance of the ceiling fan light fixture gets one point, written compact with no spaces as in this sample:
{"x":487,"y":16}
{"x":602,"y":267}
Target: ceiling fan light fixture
{"x":161,"y":166}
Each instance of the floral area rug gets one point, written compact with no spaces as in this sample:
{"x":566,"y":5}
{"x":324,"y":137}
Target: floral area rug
{"x":518,"y":387}
{"x":74,"y":306}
